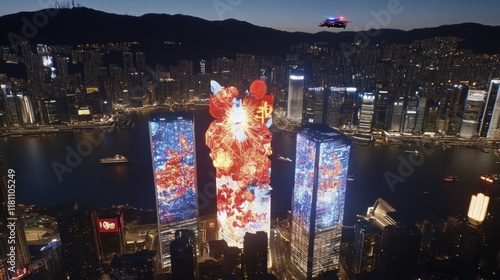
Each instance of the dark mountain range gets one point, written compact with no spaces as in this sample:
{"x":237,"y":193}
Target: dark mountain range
{"x":194,"y":38}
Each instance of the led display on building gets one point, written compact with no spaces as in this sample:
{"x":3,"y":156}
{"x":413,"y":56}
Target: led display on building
{"x":173,"y":155}
{"x":322,"y":158}
{"x":240,"y":144}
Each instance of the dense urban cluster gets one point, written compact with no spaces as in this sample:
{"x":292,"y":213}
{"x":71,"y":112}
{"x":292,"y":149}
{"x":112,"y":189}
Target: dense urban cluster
{"x":370,"y":92}
{"x":429,"y":85}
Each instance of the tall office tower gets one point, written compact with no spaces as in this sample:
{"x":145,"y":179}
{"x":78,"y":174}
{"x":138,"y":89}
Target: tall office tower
{"x":111,"y":235}
{"x":430,"y":124}
{"x":491,"y":114}
{"x":295,"y":95}
{"x":49,"y":71}
{"x":333,"y":118}
{"x":366,"y":114}
{"x":183,"y":254}
{"x":472,"y":113}
{"x":233,"y":262}
{"x":174,"y":166}
{"x":395,"y":115}
{"x":140,"y":61}
{"x":14,"y":253}
{"x":381,"y":103}
{"x":255,"y":255}
{"x":432,"y":233}
{"x":421,"y":114}
{"x":315,"y":105}
{"x":203,"y":67}
{"x":80,"y":242}
{"x":477,"y":209}
{"x":49,"y":108}
{"x":322,"y":160}
{"x":128,"y":62}
{"x":240,"y":144}
{"x":410,"y":115}
{"x":349,"y":107}
{"x":367,"y":238}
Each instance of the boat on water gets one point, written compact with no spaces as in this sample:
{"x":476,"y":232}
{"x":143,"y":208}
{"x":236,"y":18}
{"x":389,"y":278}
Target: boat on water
{"x":450,"y":178}
{"x":350,"y":177}
{"x":411,"y":151}
{"x":116,"y":159}
{"x":425,"y":193}
{"x":279,"y":157}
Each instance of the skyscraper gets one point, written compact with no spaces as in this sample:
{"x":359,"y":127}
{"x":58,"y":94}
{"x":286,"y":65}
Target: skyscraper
{"x":111,"y":235}
{"x":322,"y":160}
{"x":80,"y":244}
{"x":491,"y":113}
{"x":255,"y":255}
{"x":366,"y":114}
{"x":240,"y":144}
{"x":183,"y":252}
{"x":174,"y":167}
{"x":295,"y":95}
{"x":472,"y":113}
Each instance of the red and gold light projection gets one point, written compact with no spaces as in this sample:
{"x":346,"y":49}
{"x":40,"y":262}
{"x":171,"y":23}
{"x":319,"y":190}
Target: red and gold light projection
{"x":240,"y":144}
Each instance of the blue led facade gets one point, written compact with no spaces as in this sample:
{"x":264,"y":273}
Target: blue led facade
{"x":322,"y":160}
{"x":174,"y":167}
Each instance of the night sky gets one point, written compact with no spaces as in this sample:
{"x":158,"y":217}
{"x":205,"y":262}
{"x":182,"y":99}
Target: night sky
{"x":299,"y":15}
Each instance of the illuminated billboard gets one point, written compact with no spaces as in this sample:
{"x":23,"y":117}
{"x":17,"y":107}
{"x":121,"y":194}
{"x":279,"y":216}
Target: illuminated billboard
{"x":173,"y":156}
{"x":322,"y":159}
{"x":240,"y":144}
{"x":108,"y":225}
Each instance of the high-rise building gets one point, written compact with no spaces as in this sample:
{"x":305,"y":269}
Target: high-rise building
{"x":255,"y":255}
{"x":80,"y":242}
{"x":232,"y":262}
{"x":381,"y":101}
{"x":322,"y":160}
{"x":295,"y":95}
{"x":477,"y":208}
{"x":422,"y":112}
{"x":491,"y":114}
{"x":111,"y":235}
{"x":183,"y":254}
{"x":315,"y":105}
{"x":174,"y":166}
{"x":366,"y":113}
{"x":432,"y":233}
{"x":367,"y":237}
{"x":472,"y":113}
{"x":240,"y":144}
{"x":334,"y":100}
{"x":394,"y":117}
{"x":410,"y":115}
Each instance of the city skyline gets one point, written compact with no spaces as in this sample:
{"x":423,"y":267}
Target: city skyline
{"x":299,"y":16}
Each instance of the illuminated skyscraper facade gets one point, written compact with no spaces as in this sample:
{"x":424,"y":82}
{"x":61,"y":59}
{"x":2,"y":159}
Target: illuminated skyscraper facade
{"x":295,"y":95}
{"x":491,"y":113}
{"x":174,"y":167}
{"x":472,"y":113}
{"x":240,"y":144}
{"x":322,"y":160}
